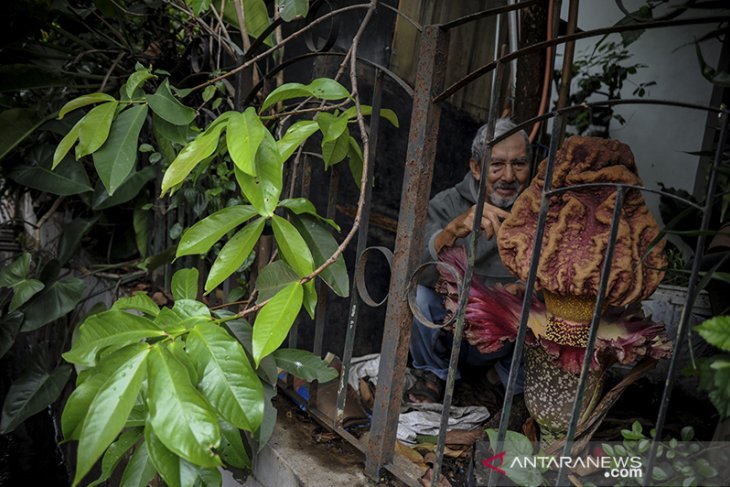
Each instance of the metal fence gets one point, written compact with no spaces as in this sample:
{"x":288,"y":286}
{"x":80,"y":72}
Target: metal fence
{"x":428,"y":95}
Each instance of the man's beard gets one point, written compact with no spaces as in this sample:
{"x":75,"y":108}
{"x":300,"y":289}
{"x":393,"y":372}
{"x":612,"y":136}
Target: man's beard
{"x":505,"y":201}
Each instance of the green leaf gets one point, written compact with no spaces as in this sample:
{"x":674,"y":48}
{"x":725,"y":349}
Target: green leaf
{"x":65,"y":145}
{"x":140,"y":470}
{"x":116,"y":159}
{"x":304,"y":365}
{"x":232,"y":450}
{"x":366,"y":110}
{"x":267,"y":425}
{"x":166,"y":133}
{"x":185,"y":284}
{"x":300,"y":206}
{"x":292,"y":9}
{"x":209,"y":92}
{"x":180,"y":416}
{"x":31,"y":394}
{"x":115,"y":453}
{"x":9,"y":327}
{"x":716,"y":331}
{"x":275,"y":319}
{"x":355,"y":161}
{"x":16,"y":271}
{"x":108,"y":411}
{"x":18,"y":124}
{"x":67,"y":179}
{"x":263,"y":190}
{"x":129,"y":189}
{"x":292,"y":246}
{"x":23,"y":291}
{"x":166,"y":462}
{"x":323,"y":88}
{"x":295,"y":136}
{"x":244,"y":135}
{"x":332,"y":126}
{"x":53,"y":302}
{"x":137,"y":80}
{"x":256,"y":17}
{"x":168,"y":107}
{"x":70,"y":241}
{"x":243,"y":332}
{"x":234,"y":253}
{"x":273,"y":278}
{"x":227,"y":379}
{"x":83,"y":101}
{"x":94,"y":128}
{"x":113,"y":328}
{"x":192,"y":154}
{"x":88,"y":383}
{"x":199,"y":238}
{"x":310,"y":298}
{"x":141,"y":220}
{"x":139,"y":302}
{"x":334,"y":151}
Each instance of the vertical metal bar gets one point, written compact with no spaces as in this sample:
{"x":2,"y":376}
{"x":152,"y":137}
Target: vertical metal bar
{"x":409,"y":246}
{"x":513,"y":46}
{"x":691,"y":293}
{"x":558,"y":127}
{"x":494,"y":110}
{"x":497,"y":50}
{"x":362,"y":240}
{"x":568,"y":53}
{"x":597,"y":311}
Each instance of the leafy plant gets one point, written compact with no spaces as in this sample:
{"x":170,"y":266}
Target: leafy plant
{"x":714,"y":372}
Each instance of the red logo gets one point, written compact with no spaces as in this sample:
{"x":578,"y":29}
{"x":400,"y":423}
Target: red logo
{"x":498,"y":456}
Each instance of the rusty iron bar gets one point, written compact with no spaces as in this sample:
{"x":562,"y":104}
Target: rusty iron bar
{"x":495,"y":107}
{"x":362,"y":239}
{"x":558,"y":126}
{"x":683,"y":329}
{"x":481,"y":71}
{"x":409,"y":244}
{"x":488,"y":13}
{"x":567,"y":72}
{"x":593,"y":333}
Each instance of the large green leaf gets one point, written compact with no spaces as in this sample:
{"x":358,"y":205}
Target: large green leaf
{"x":234,"y":253}
{"x":137,"y":80}
{"x":180,"y":416}
{"x":185,"y":284}
{"x":140,"y":470}
{"x":83,"y":101}
{"x":115,"y":453}
{"x":73,"y":232}
{"x":168,"y":107}
{"x":140,"y":302}
{"x":256,"y":17}
{"x":227,"y":379}
{"x":244,"y":136}
{"x":65,"y":145}
{"x":273,"y":278}
{"x":304,"y":365}
{"x":243,"y":332}
{"x":113,"y":328}
{"x":52,"y":303}
{"x":275,"y":319}
{"x":334,"y":151}
{"x":67,"y":179}
{"x":165,"y":461}
{"x":109,"y":410}
{"x":263,"y":190}
{"x":116,"y":158}
{"x":198,"y":149}
{"x":18,"y":124}
{"x":129,"y":189}
{"x":300,"y":206}
{"x":295,"y":136}
{"x":716,"y":331}
{"x":9,"y":327}
{"x":292,"y":9}
{"x":23,"y":291}
{"x":199,"y":238}
{"x":292,"y":246}
{"x":323,"y":88}
{"x":31,"y":394}
{"x":331,"y":126}
{"x":94,"y":128}
{"x":232,"y":450}
{"x":15,"y":272}
{"x":323,"y":245}
{"x":88,"y":384}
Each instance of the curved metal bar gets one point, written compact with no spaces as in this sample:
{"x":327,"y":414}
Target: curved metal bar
{"x":626,"y":186}
{"x":479,"y":72}
{"x":487,"y":13}
{"x":360,"y":285}
{"x":332,"y":35}
{"x":401,"y":14}
{"x":671,"y":15}
{"x":398,"y":80}
{"x":413,"y":285}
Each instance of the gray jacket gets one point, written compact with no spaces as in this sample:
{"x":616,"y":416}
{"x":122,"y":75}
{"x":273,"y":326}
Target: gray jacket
{"x":446,"y":206}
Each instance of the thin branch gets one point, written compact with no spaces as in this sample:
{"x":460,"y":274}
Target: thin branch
{"x":111,"y":69}
{"x":45,"y":218}
{"x":298,"y":111}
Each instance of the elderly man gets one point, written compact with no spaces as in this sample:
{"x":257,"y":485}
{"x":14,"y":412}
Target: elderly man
{"x":450,"y":221}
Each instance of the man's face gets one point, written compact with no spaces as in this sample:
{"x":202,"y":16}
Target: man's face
{"x":508,"y":171}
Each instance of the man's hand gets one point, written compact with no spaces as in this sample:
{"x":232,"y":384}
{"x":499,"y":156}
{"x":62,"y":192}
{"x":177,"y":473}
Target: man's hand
{"x":461,"y":225}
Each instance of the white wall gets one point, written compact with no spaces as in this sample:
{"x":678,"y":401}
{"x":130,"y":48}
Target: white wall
{"x":659,"y":135}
